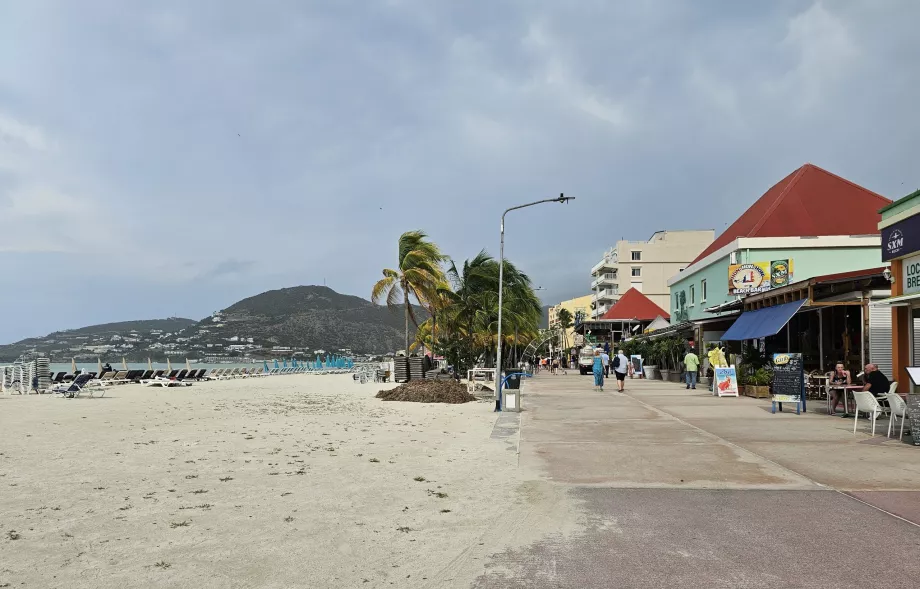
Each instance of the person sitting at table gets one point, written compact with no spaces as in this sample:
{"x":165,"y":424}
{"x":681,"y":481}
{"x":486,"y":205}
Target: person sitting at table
{"x":876,"y":382}
{"x":839,"y":377}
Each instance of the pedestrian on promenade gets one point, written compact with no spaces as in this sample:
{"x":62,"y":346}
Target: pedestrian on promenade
{"x":606,"y":360}
{"x":598,"y":371}
{"x":692,"y":366}
{"x":621,"y":368}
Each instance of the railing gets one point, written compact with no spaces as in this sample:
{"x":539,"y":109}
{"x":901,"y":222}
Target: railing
{"x":606,"y":293}
{"x":607,"y":277}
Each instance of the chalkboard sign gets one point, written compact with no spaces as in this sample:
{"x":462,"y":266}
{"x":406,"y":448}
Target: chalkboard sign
{"x":913,"y":413}
{"x":788,"y":380}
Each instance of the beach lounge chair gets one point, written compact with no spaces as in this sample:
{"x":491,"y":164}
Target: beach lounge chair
{"x":121,"y":377}
{"x":145,"y":375}
{"x":171,"y":375}
{"x":165,"y":382}
{"x":214,"y":374}
{"x":58,"y":378}
{"x":181,"y":374}
{"x":74,"y":388}
{"x":106,"y":377}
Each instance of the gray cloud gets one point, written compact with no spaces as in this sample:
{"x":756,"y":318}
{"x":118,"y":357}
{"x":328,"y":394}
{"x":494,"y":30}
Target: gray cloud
{"x":145,"y":152}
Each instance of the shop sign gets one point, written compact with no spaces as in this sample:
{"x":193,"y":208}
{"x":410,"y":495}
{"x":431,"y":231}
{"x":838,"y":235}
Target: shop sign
{"x":911,"y":274}
{"x":726,"y":381}
{"x":758,"y":277}
{"x":901,"y":239}
{"x":788,"y":381}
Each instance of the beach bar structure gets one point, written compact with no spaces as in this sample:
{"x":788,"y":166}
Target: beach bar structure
{"x":811,"y":224}
{"x":828,"y":319}
{"x":632,"y":314}
{"x":900,"y":228}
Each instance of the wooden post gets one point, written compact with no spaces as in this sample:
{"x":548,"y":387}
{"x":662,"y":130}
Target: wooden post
{"x":900,"y":329}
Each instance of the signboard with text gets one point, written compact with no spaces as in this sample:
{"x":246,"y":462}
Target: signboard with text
{"x":788,"y":380}
{"x":911,"y":272}
{"x":756,"y":277}
{"x":901,"y":239}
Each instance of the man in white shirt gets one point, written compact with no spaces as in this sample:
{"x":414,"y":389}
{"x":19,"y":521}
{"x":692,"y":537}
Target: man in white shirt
{"x":621,"y":369}
{"x":606,"y":360}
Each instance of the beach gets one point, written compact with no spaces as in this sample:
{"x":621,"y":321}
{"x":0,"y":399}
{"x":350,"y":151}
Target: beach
{"x":287,"y":481}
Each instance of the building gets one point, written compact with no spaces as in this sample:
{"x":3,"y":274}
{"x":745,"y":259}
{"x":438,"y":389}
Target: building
{"x":633,"y":313}
{"x":900,"y":238}
{"x":811,"y":223}
{"x":645,"y":266}
{"x":579,"y":308}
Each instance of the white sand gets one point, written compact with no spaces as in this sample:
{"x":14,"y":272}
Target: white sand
{"x":102,"y":490}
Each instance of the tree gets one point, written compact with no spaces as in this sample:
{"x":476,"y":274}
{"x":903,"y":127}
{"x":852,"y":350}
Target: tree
{"x":564,"y":319}
{"x":418,"y":274}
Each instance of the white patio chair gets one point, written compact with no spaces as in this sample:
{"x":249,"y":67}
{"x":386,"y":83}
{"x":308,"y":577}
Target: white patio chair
{"x":866,"y":403}
{"x":898,"y":409}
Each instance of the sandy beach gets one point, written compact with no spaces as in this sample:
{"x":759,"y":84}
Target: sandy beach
{"x":288,"y":481}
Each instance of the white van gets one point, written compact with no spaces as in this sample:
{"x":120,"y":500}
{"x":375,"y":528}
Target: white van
{"x":586,"y":360}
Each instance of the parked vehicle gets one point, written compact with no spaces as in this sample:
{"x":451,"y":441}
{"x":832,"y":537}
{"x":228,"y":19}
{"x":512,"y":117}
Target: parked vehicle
{"x":586,"y":360}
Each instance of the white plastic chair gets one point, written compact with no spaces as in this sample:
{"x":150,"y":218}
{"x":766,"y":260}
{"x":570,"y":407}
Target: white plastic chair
{"x":866,"y":403}
{"x":898,"y":408}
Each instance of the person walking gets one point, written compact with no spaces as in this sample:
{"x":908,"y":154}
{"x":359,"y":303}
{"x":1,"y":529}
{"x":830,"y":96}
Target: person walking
{"x":621,"y":369}
{"x":598,"y":370}
{"x":606,"y":360}
{"x":692,"y":366}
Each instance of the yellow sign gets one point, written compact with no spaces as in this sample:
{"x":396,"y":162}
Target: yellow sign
{"x":757,"y":277}
{"x":780,"y":359}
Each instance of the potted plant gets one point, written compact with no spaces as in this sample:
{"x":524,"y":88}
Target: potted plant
{"x":758,"y":384}
{"x":646,"y":349}
{"x":662,"y":351}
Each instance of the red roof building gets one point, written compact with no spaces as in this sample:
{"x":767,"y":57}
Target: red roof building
{"x":635,"y":306}
{"x":808,"y":202}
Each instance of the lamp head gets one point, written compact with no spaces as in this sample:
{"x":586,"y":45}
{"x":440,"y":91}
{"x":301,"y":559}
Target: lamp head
{"x":564,"y":199}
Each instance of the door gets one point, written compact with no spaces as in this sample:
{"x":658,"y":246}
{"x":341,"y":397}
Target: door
{"x":880,"y":338}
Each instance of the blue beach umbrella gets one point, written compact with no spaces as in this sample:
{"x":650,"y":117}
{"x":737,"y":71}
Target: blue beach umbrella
{"x":264,"y":365}
{"x":284,"y":363}
{"x":276,"y":365}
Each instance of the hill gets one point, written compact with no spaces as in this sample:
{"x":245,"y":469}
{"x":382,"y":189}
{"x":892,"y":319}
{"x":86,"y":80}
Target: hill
{"x":96,"y":340}
{"x":273,"y":324}
{"x":313,"y":317}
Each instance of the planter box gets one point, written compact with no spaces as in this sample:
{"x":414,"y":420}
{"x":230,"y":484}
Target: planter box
{"x":676,"y":376}
{"x":665,"y":373}
{"x":651,"y":372}
{"x":758,"y":392}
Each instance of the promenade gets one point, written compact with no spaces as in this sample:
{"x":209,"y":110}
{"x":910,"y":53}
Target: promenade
{"x":671,"y":487}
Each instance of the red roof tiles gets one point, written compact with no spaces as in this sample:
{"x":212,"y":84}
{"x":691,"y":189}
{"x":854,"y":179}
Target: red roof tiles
{"x":635,"y":305}
{"x":808,"y":202}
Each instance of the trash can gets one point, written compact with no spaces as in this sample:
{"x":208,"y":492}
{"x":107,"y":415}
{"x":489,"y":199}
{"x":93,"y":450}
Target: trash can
{"x":512,"y":379}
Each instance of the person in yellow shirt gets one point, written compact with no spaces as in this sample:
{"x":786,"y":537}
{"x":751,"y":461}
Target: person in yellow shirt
{"x":692,"y":367}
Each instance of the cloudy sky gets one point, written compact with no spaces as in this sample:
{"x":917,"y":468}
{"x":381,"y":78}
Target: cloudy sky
{"x":168,"y":158}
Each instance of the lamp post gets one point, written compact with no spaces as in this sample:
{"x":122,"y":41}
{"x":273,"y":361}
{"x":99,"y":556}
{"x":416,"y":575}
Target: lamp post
{"x":501,"y":277}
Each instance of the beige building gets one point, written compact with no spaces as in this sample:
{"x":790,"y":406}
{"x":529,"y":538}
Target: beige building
{"x":580,"y":304}
{"x":645,"y":266}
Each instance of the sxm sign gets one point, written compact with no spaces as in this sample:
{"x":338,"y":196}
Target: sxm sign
{"x":911,"y":274}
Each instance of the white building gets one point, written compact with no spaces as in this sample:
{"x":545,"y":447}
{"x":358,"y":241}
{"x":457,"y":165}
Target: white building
{"x":645,"y":266}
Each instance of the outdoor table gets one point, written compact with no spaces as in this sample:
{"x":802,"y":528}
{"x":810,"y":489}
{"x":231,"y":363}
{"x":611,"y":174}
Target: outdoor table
{"x":846,"y":389}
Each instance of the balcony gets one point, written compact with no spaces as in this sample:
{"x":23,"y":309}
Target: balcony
{"x":609,"y":261}
{"x":601,"y":309}
{"x":606,"y":278}
{"x":608,"y":294}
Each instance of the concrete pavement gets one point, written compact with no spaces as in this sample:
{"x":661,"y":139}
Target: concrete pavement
{"x":678,"y":488}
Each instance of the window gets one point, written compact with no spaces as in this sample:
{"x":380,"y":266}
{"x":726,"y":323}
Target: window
{"x":703,"y":291}
{"x":636,"y":256}
{"x":692,"y":295}
{"x":637,"y":271}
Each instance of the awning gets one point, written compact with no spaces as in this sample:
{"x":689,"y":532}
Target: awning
{"x":899,"y":301}
{"x":762,"y":322}
{"x":729,"y":306}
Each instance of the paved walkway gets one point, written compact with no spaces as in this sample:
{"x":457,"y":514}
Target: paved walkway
{"x":677,"y":488}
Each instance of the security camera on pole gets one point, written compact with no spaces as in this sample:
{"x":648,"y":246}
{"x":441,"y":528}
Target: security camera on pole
{"x":501,"y":277}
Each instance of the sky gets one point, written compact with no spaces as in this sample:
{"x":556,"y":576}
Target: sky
{"x":170,"y":158}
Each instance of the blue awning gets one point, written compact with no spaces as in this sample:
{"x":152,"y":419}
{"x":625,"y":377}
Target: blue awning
{"x":762,"y":322}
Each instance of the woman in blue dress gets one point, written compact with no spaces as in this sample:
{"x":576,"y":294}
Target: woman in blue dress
{"x":598,"y":370}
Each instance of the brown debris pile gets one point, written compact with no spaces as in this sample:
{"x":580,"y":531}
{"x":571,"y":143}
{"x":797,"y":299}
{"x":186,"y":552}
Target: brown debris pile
{"x":428,"y":391}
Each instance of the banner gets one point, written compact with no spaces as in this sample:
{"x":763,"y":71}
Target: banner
{"x":726,"y":381}
{"x":758,"y":277}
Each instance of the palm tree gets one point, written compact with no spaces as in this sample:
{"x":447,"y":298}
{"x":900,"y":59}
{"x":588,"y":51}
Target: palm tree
{"x":564,"y":318}
{"x":418,"y":275}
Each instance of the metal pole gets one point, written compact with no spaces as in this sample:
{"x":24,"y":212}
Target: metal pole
{"x":501,"y":278}
{"x":821,"y":339}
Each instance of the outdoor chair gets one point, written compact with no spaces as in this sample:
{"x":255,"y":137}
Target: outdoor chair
{"x":74,"y":388}
{"x":898,"y":409}
{"x":866,"y":403}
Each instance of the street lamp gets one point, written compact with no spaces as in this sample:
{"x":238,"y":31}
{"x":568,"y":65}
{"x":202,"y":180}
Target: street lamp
{"x":501,"y":277}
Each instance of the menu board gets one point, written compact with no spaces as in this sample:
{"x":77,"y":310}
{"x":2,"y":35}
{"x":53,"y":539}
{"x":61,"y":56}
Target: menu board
{"x":788,"y":378}
{"x":636,"y":364}
{"x":913,"y":413}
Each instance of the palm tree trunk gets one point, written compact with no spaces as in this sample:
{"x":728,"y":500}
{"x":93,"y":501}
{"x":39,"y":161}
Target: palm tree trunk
{"x":434,"y":331}
{"x":406,"y":299}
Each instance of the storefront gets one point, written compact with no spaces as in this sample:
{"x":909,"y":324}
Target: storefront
{"x":828,"y":319}
{"x":900,"y":228}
